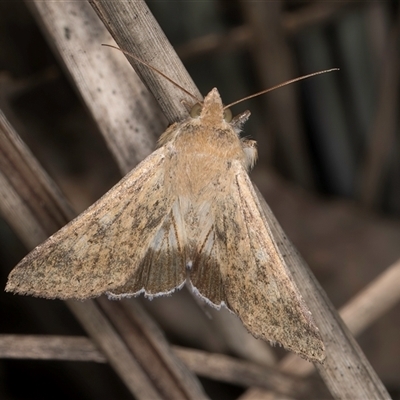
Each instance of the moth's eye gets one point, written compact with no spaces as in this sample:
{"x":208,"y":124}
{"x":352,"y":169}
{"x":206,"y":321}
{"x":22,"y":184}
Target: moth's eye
{"x":227,"y":115}
{"x":196,"y":110}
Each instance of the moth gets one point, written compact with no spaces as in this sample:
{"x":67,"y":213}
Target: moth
{"x":187,"y":214}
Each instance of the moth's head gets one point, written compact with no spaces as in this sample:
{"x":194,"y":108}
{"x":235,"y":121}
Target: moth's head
{"x":211,"y":110}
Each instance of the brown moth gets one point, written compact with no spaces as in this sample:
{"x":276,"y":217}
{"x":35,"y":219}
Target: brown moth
{"x":188,"y":214}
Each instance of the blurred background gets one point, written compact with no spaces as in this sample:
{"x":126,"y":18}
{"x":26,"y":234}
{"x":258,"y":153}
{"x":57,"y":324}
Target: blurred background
{"x":329,"y":163}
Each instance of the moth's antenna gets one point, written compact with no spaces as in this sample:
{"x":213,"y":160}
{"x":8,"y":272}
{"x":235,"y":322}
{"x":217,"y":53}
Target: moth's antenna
{"x":280,"y":85}
{"x":155,"y":70}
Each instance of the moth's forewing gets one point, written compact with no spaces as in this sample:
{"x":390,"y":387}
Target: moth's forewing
{"x":100,"y":249}
{"x":258,"y":285}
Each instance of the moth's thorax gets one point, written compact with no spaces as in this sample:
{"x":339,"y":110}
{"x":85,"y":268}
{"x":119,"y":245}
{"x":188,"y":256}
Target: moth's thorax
{"x":218,"y":140}
{"x":202,"y":150}
{"x":202,"y":158}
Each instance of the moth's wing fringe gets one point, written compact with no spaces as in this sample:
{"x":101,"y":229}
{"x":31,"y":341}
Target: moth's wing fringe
{"x":101,"y":248}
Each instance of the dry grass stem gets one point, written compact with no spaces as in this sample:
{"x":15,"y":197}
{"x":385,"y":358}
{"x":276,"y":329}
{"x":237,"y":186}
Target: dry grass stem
{"x":126,"y":113}
{"x":209,"y":365}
